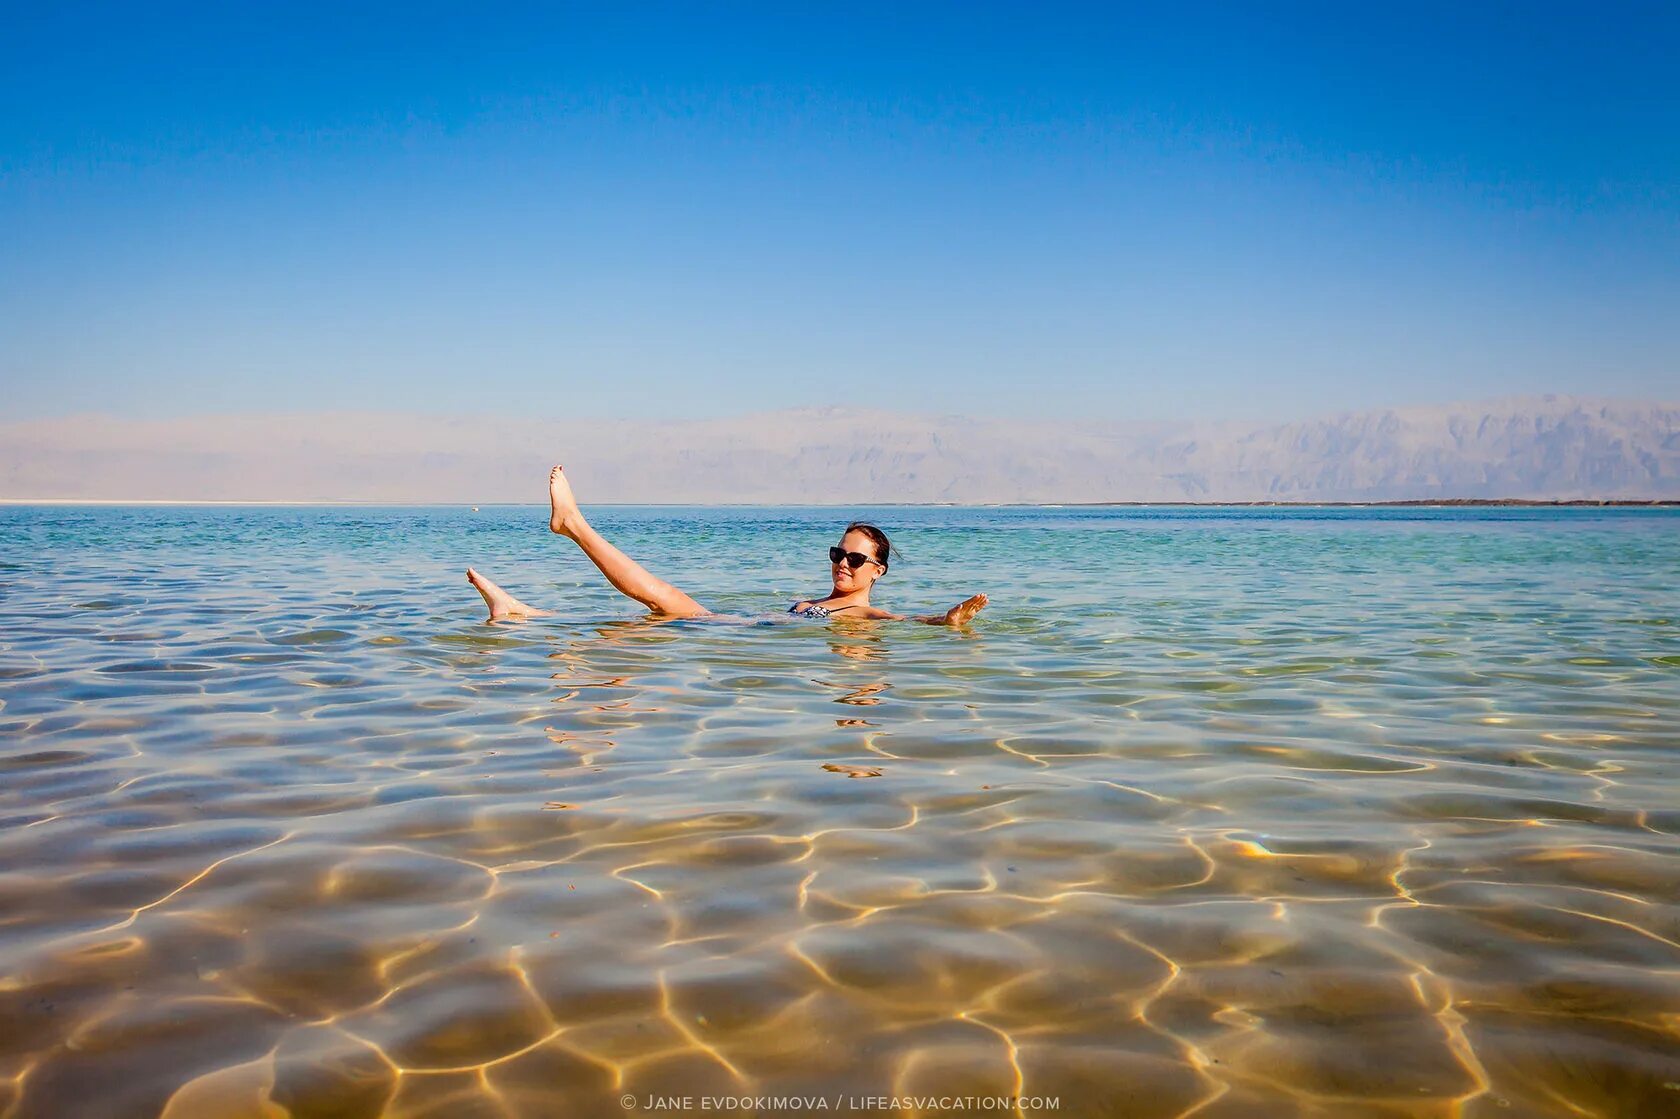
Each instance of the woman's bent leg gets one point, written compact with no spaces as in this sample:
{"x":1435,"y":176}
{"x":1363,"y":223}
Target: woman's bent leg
{"x":503,"y":606}
{"x":630,"y":577}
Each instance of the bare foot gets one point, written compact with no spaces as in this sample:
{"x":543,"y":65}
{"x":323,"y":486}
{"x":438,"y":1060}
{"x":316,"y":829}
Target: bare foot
{"x":564,"y":516}
{"x":963,"y":612}
{"x":502,"y":605}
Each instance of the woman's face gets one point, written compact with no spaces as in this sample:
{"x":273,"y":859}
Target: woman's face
{"x":846,"y":580}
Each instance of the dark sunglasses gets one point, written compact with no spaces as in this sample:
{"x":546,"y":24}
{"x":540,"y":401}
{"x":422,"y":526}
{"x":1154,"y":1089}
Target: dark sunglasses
{"x":854,"y":560}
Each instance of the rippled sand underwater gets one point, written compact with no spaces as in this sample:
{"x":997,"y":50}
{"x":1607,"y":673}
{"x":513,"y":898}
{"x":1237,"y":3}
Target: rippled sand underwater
{"x":1223,"y":813}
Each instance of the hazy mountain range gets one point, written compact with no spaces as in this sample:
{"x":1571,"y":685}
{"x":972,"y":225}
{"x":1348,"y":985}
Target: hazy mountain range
{"x":1522,"y":447}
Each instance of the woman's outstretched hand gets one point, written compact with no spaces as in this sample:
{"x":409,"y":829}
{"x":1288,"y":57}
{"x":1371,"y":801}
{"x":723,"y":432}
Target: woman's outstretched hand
{"x":963,"y":612}
{"x":959,"y":615}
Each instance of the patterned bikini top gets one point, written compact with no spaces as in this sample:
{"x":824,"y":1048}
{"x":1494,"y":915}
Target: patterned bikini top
{"x":809,"y":610}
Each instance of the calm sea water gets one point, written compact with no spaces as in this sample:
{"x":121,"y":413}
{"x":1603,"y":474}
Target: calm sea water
{"x":1225,"y":812}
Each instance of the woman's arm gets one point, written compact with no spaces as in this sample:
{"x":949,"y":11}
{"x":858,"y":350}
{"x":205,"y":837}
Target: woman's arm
{"x":959,"y":615}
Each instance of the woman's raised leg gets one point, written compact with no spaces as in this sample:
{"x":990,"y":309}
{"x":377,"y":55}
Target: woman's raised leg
{"x":630,"y":577}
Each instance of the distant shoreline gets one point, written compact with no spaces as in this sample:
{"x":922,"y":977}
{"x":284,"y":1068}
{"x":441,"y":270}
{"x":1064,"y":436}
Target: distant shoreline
{"x":1413,"y":503}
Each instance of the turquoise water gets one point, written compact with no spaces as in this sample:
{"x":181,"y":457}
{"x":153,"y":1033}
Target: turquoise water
{"x":1229,"y":812}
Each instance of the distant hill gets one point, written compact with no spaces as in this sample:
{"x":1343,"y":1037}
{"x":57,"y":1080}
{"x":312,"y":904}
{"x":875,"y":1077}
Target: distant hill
{"x":1522,"y":447}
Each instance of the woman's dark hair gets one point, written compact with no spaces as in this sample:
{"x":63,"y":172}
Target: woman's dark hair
{"x":883,"y":546}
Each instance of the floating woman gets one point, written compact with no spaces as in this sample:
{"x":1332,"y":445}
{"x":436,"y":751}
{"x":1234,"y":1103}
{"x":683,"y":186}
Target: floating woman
{"x":855,"y":565}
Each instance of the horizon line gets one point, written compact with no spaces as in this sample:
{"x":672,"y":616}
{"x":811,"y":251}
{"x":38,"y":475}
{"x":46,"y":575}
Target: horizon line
{"x":457,"y":414}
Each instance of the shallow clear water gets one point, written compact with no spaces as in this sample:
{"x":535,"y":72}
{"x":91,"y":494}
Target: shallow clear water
{"x":1232,"y":812}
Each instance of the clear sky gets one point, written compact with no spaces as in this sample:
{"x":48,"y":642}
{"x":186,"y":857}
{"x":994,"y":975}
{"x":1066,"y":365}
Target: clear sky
{"x":1040,"y":210}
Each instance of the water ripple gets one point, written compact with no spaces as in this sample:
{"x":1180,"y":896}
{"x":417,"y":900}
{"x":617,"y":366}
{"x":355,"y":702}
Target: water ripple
{"x":1213,"y":815}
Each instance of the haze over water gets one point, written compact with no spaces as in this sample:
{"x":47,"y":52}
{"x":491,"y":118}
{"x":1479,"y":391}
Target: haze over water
{"x":1259,"y":812}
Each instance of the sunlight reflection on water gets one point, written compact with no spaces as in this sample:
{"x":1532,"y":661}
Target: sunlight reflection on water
{"x":1252,"y":812}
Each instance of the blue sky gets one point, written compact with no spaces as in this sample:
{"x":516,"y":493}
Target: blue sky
{"x":1045,"y":211}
